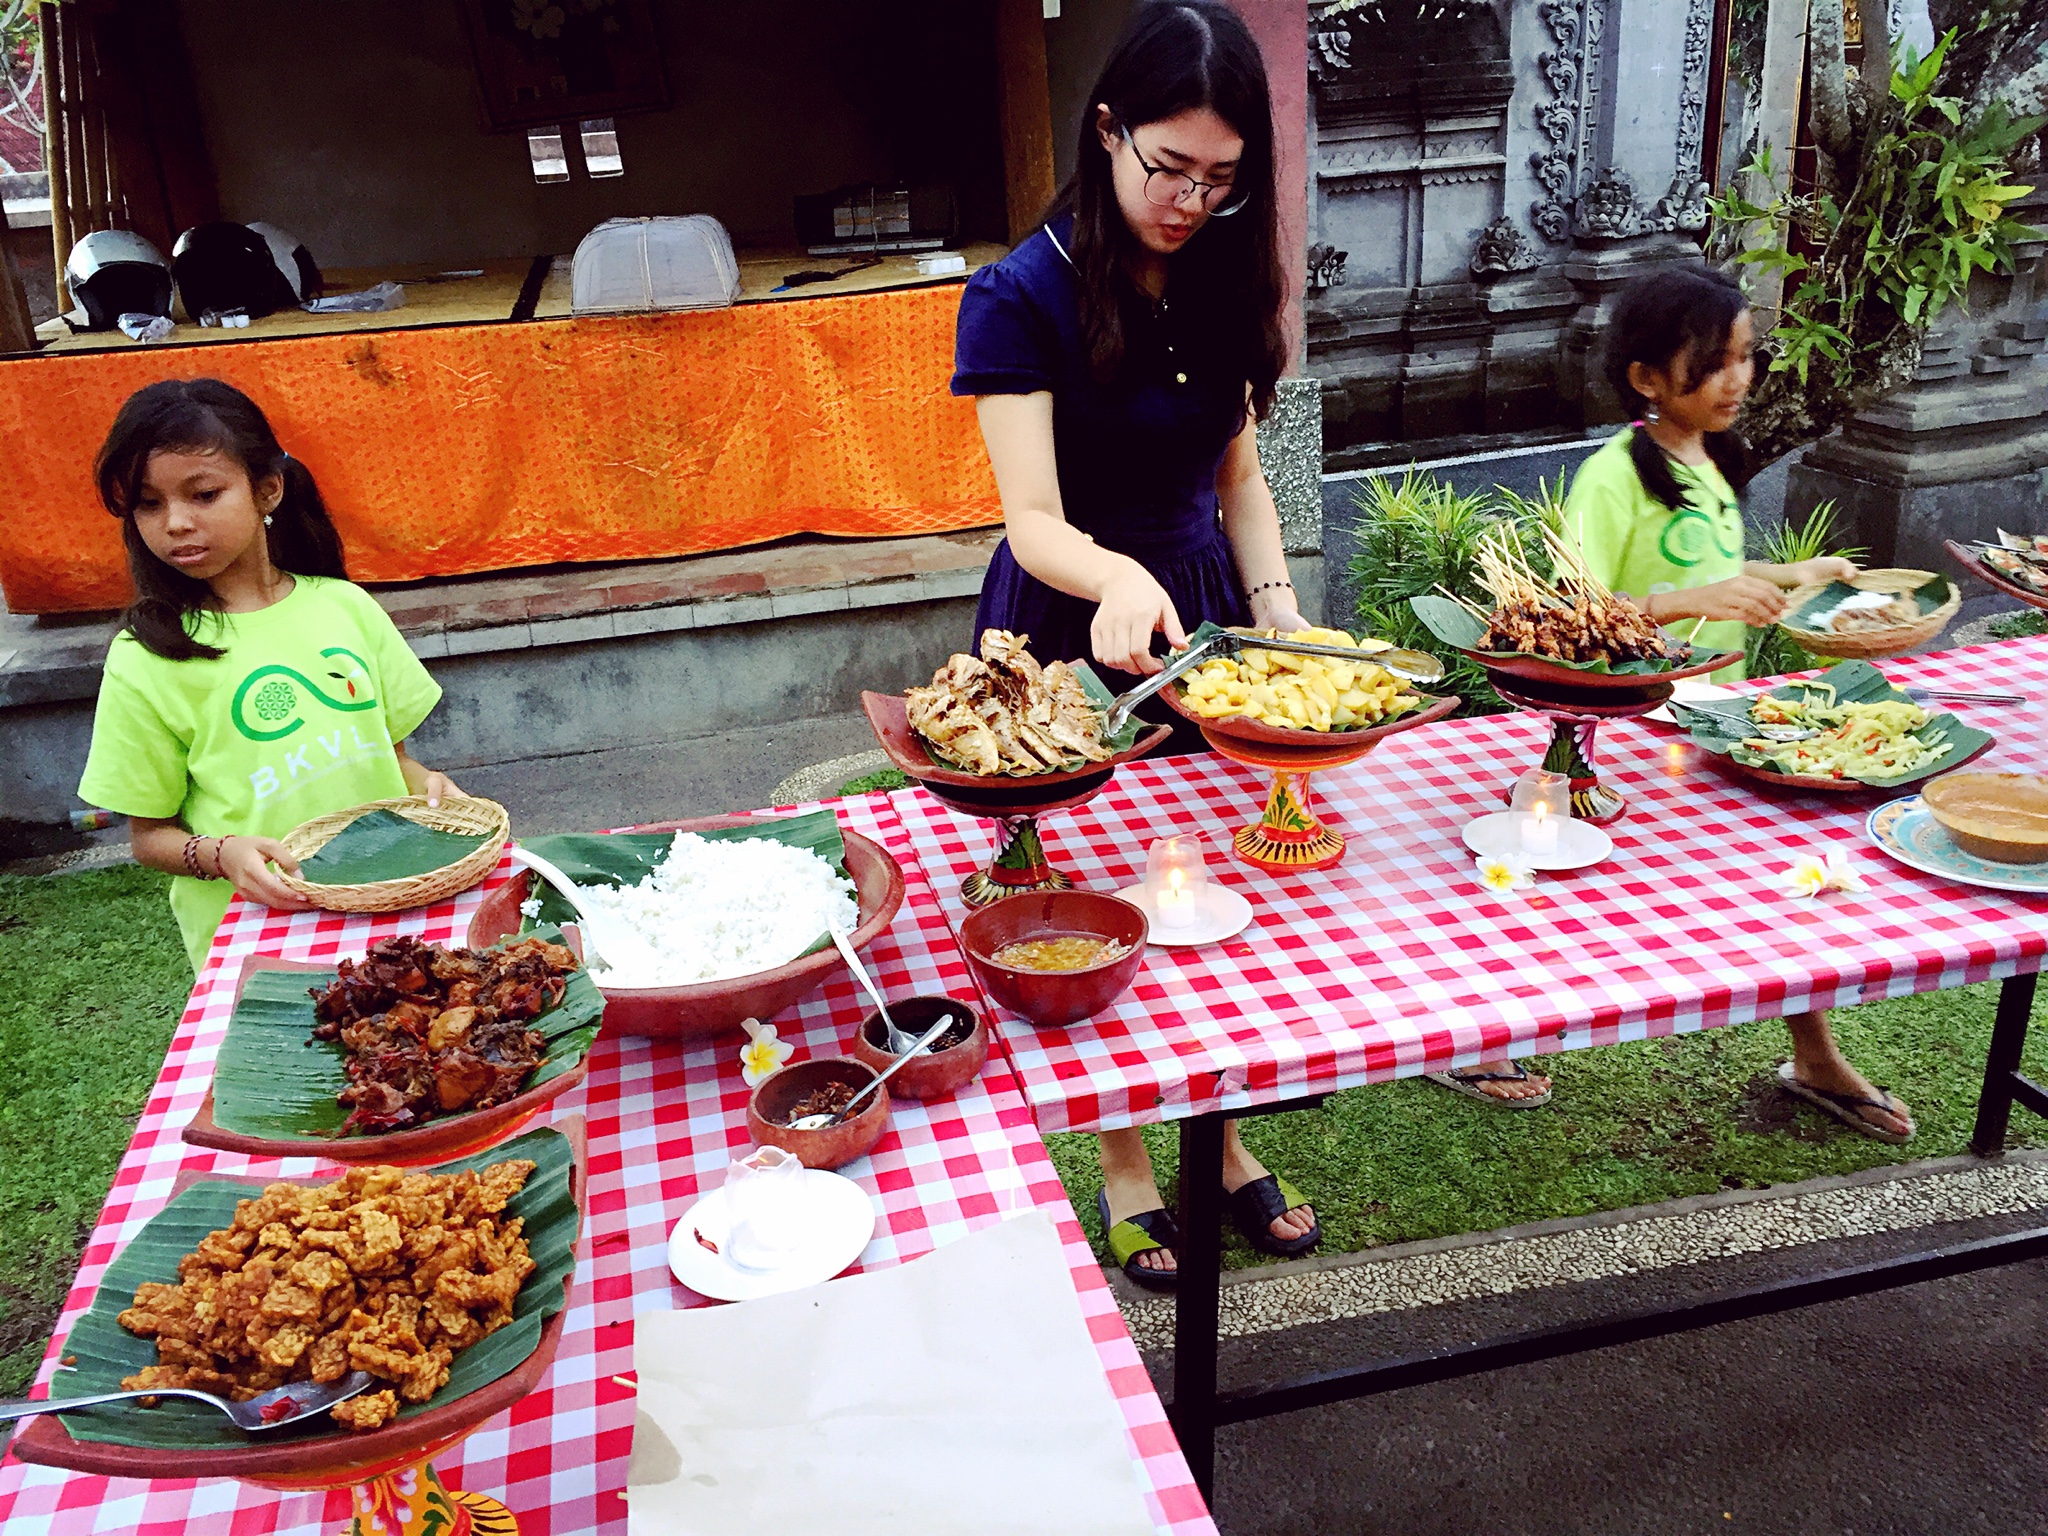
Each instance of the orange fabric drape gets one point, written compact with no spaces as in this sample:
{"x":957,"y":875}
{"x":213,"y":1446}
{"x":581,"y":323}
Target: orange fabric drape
{"x":479,"y":448}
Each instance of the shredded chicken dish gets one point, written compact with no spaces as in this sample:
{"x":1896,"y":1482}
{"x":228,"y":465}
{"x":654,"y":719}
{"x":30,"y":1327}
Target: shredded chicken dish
{"x":1003,"y":713}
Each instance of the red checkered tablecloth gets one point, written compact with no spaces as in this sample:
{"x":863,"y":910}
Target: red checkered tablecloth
{"x":1396,"y":962}
{"x":663,"y":1123}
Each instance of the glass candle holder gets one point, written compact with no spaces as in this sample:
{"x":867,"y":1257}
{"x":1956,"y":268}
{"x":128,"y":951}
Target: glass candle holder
{"x":1542,"y":801}
{"x":1176,"y":881}
{"x":766,"y":1195}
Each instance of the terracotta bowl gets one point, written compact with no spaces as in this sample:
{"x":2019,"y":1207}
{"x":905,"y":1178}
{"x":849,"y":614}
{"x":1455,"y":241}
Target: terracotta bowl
{"x":2002,"y":817}
{"x":937,"y":1074}
{"x":1054,"y":998}
{"x":835,"y":1146}
{"x":716,"y":1007}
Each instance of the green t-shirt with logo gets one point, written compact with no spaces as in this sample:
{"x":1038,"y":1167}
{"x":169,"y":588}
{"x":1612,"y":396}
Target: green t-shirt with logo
{"x":298,"y":717}
{"x":1639,"y":546}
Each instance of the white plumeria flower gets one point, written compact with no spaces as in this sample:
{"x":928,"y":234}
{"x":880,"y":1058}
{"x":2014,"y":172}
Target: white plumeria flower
{"x":1501,"y":873}
{"x":1806,"y":877}
{"x":764,"y":1054}
{"x":1810,"y":874}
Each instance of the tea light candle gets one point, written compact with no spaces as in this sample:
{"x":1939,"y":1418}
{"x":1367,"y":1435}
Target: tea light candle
{"x":1175,"y":874}
{"x":1539,"y":832}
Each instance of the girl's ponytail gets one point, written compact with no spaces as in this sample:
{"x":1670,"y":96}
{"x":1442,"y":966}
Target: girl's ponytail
{"x":302,"y":536}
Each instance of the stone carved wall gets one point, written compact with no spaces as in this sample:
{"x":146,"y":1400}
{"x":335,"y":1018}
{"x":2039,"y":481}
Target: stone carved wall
{"x":1477,"y":164}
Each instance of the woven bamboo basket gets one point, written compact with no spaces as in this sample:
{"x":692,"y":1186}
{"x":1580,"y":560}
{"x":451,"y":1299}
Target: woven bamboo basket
{"x":458,"y":814}
{"x":1868,"y":645}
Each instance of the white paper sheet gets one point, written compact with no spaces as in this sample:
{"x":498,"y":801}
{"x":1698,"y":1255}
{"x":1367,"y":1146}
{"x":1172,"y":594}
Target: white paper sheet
{"x":959,"y":1393}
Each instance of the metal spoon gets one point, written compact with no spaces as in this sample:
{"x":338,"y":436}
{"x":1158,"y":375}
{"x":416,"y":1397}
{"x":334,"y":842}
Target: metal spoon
{"x":614,"y":941}
{"x":820,"y":1122}
{"x":898,"y":1041}
{"x":300,"y":1400}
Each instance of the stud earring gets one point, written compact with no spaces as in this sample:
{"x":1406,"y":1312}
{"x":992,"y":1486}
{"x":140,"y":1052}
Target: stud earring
{"x":266,"y":519}
{"x":1651,"y":415}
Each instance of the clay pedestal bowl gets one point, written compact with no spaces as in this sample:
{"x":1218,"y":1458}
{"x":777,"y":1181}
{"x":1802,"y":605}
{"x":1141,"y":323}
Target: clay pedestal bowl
{"x":936,"y":1074}
{"x":834,"y":1146}
{"x":1014,"y":804}
{"x":717,"y":1007}
{"x":1052,"y":999}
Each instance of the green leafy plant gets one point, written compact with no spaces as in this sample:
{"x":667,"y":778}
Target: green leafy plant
{"x":1417,"y":536}
{"x":2017,"y":626}
{"x":1918,"y":206}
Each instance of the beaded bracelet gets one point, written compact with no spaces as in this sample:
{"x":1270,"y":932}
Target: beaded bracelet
{"x":1265,"y":586}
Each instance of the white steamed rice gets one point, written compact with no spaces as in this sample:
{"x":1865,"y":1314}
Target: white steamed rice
{"x":713,"y":910}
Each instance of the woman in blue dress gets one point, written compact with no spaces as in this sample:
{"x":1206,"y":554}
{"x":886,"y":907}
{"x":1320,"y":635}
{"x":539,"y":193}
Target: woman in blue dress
{"x":1119,"y":359}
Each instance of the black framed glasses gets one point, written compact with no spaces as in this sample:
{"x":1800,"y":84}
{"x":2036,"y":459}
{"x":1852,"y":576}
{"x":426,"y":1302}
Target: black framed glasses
{"x":1168,"y":188}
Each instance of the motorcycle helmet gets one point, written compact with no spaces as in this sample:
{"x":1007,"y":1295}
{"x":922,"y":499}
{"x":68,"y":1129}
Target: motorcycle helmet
{"x":223,"y":267}
{"x":293,"y":260}
{"x":115,"y":272}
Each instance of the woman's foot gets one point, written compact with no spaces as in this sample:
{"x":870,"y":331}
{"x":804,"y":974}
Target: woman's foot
{"x":1241,"y":1168}
{"x":1131,"y":1191}
{"x":1818,"y":1065}
{"x":1505,"y":1082}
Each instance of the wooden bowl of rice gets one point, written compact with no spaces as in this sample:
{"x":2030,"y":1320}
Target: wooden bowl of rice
{"x":717,"y":1007}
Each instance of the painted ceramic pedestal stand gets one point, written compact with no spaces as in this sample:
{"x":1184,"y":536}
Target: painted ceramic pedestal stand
{"x":406,"y":1497}
{"x":1020,"y":863}
{"x":1575,"y":716}
{"x":1290,"y":836}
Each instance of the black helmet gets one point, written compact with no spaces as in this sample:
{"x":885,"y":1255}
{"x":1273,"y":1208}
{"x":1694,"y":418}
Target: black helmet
{"x":293,"y":260}
{"x":115,"y":272}
{"x":222,"y":267}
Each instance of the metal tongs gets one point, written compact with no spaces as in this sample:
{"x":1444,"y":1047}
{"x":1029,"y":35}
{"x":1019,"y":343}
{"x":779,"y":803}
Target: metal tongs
{"x":1409,"y":666}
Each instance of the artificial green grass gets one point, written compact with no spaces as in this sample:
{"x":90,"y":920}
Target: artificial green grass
{"x":1628,"y":1125}
{"x":92,"y":981}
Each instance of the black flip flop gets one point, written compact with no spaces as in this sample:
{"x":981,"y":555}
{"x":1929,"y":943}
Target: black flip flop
{"x":1142,"y":1233}
{"x":1254,"y":1207}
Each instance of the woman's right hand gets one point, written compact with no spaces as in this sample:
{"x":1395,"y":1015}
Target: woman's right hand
{"x":1746,"y":599}
{"x":1133,"y":608}
{"x":245,"y":861}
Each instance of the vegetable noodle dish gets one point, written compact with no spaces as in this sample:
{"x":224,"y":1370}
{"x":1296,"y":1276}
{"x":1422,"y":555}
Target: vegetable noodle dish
{"x":383,"y":1271}
{"x":1818,"y":737}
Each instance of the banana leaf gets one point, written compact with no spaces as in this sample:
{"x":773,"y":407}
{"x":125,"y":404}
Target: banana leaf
{"x":1927,"y":597}
{"x":627,"y":858}
{"x":106,"y":1351}
{"x":1721,"y":726}
{"x":273,"y":1079}
{"x":1454,"y":625}
{"x":1206,"y":630}
{"x":383,"y":845}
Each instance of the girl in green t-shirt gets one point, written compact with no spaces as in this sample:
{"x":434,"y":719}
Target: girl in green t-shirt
{"x":251,"y":687}
{"x":1655,"y":511}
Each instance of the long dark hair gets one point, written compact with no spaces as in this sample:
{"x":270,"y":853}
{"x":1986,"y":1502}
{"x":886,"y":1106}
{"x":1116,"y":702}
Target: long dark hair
{"x":1176,"y":56}
{"x":1676,"y":320}
{"x":204,"y":416}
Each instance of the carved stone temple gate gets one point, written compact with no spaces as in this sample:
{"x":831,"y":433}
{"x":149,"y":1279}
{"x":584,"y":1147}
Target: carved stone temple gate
{"x":1484,"y":174}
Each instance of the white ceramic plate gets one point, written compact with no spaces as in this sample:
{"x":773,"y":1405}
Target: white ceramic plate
{"x":1691,"y":690}
{"x":842,"y":1221}
{"x":1228,"y":914}
{"x":1579,"y":843}
{"x":1907,"y":831}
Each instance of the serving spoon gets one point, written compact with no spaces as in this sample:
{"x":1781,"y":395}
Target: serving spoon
{"x":601,"y":938}
{"x":899,"y":1042}
{"x":267,"y":1410}
{"x":821,"y":1122}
